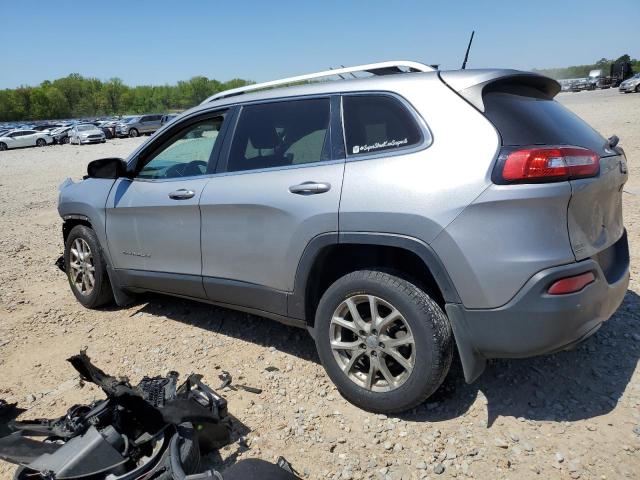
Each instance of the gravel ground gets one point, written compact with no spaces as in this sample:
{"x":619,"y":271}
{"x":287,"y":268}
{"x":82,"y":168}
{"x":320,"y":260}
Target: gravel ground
{"x":570,"y":415}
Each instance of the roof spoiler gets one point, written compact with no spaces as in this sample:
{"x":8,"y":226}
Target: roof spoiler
{"x":472,"y":85}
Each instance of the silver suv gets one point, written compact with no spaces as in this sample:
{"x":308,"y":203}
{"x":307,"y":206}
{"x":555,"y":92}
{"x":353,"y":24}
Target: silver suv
{"x":390,"y":216}
{"x":135,"y":126}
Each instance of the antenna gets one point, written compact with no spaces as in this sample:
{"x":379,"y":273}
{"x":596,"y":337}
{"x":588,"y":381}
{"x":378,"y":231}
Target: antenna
{"x":466,"y":55}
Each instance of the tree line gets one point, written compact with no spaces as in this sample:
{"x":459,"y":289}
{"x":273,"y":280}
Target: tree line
{"x":581,"y":71}
{"x":76,"y":96}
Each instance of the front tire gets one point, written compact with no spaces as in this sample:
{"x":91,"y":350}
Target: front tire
{"x":392,"y":363}
{"x":133,"y":133}
{"x":3,"y":146}
{"x":41,"y":142}
{"x":86,"y":268}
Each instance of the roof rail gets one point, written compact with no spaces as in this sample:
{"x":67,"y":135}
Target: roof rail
{"x":381,"y":68}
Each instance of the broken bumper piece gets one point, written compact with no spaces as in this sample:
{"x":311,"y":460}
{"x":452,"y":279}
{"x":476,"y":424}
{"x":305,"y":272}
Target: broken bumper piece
{"x":156,"y":429}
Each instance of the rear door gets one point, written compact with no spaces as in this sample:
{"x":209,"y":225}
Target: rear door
{"x":525,"y":116}
{"x":153,"y":220}
{"x":279,"y":186}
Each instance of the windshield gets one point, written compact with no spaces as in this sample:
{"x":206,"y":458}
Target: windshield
{"x":84,"y":128}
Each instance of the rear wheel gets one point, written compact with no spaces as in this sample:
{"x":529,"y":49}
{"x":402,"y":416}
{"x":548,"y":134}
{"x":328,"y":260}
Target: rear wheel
{"x":133,"y":133}
{"x":66,"y":140}
{"x":41,"y":142}
{"x":384,"y":342}
{"x":86,"y":268}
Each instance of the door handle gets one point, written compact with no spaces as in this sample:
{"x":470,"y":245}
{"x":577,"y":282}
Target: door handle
{"x":310,"y":188}
{"x":182,"y":194}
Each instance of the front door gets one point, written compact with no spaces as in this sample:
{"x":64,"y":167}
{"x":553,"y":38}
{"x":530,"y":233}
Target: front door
{"x":153,"y":220}
{"x":279,"y":188}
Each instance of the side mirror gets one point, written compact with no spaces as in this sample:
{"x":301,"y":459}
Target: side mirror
{"x":110,"y":168}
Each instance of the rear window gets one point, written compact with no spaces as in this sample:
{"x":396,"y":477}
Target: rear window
{"x":525,"y":116}
{"x":378,"y":123}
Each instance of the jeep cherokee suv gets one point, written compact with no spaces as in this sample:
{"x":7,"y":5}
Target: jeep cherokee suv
{"x":391,"y":216}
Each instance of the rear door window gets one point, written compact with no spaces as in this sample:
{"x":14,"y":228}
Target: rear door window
{"x":378,"y":123}
{"x":280,"y":134}
{"x":526,"y":116}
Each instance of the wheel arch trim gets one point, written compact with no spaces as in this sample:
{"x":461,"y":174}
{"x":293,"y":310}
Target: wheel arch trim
{"x":296,"y":307}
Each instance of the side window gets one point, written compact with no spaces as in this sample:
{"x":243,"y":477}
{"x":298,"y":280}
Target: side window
{"x":144,"y":119}
{"x":186,"y":154}
{"x":281,"y":134}
{"x":376,"y":123}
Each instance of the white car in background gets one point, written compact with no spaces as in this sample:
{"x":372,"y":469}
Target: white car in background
{"x":86,"y":133}
{"x":24,"y":138}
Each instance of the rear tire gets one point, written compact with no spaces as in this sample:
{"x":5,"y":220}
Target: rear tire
{"x":133,"y":133}
{"x":424,"y":363}
{"x":86,"y":268}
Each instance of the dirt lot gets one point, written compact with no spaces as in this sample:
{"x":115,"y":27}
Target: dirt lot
{"x":571,"y":415}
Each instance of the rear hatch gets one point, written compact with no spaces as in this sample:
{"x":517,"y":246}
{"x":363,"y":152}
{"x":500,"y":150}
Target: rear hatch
{"x":522,"y":108}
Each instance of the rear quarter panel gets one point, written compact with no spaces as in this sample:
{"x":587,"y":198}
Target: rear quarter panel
{"x":419,"y":194}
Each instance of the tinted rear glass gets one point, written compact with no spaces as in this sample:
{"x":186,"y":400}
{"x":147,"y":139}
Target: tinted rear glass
{"x":280,"y":134}
{"x":525,"y":116}
{"x":377,"y":123}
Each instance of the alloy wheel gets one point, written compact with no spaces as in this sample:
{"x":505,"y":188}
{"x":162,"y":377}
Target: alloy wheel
{"x":82,"y":268}
{"x":372,"y":343}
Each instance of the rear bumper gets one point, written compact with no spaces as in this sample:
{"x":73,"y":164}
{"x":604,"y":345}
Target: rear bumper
{"x":534,"y":322}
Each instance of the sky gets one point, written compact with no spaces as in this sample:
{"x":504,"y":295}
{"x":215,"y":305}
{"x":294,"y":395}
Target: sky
{"x":158,"y":42}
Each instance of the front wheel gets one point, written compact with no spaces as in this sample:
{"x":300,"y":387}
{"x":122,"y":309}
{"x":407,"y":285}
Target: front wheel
{"x":3,"y":146}
{"x":384,"y":342}
{"x":133,"y":133}
{"x":41,"y":142}
{"x":86,"y":268}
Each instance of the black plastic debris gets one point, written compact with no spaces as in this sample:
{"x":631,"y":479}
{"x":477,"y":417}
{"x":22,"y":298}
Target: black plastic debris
{"x":157,"y":429}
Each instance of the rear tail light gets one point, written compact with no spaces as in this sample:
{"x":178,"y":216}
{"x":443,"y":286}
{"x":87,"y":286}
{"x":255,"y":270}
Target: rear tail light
{"x":535,"y":165}
{"x":571,"y":284}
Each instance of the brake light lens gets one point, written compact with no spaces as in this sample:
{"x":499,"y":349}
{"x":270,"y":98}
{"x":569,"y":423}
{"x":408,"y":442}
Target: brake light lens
{"x":549,"y":164}
{"x":571,"y":284}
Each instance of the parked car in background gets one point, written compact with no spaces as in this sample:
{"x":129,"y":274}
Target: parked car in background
{"x":47,"y":127}
{"x":24,"y":138}
{"x":86,"y":133}
{"x":135,"y":126}
{"x":631,"y":84}
{"x":60,"y":135}
{"x":167,"y":118}
{"x":108,"y":127}
{"x":581,"y":84}
{"x":363,"y":210}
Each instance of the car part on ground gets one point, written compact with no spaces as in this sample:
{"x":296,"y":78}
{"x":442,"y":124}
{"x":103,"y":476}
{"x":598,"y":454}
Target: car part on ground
{"x":285,"y":195}
{"x":156,"y":429}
